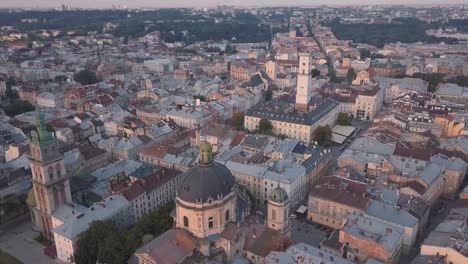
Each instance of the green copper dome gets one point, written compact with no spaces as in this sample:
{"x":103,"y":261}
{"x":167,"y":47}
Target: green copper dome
{"x":278,"y":195}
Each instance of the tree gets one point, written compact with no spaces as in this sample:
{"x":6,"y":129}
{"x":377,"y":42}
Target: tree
{"x":405,"y":30}
{"x":322,"y":135}
{"x":315,"y":73}
{"x":18,"y":107}
{"x":364,"y":54}
{"x":237,"y":120}
{"x":268,"y":94}
{"x":230,"y":50}
{"x":272,"y":55}
{"x":9,"y":93}
{"x":201,"y":97}
{"x":433,"y":80}
{"x":332,"y":76}
{"x":101,"y":243}
{"x":60,"y":78}
{"x":351,"y":75}
{"x":460,"y":80}
{"x":86,"y":77}
{"x":343,"y":119}
{"x":82,"y":42}
{"x":265,"y":126}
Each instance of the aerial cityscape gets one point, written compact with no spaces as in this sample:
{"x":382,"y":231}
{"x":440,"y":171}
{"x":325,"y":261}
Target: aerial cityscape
{"x":267,"y":132}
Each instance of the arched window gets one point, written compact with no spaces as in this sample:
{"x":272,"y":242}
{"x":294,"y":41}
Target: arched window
{"x":58,"y":170}
{"x":273,"y":214}
{"x":50,"y":171}
{"x":227,"y":217}
{"x":210,"y":222}
{"x":186,"y":223}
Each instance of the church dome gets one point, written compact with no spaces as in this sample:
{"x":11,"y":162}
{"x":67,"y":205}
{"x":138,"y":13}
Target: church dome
{"x":208,"y":180}
{"x":278,"y":195}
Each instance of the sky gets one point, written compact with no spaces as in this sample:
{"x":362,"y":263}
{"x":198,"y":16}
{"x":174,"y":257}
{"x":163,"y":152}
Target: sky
{"x":208,"y":3}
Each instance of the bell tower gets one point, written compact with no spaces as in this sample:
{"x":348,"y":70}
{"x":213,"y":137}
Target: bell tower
{"x":50,"y":183}
{"x":303,"y":89}
{"x":278,"y":210}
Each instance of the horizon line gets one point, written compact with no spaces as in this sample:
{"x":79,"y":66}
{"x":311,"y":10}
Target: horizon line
{"x":113,"y":6}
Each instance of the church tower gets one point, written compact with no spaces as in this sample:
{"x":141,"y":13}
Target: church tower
{"x":50,"y":183}
{"x":278,"y":210}
{"x":303,"y":90}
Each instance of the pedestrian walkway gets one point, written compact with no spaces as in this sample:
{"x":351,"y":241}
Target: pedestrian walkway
{"x":18,"y":240}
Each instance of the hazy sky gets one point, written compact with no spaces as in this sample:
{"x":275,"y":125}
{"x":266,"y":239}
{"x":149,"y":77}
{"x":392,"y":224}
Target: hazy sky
{"x":205,"y":3}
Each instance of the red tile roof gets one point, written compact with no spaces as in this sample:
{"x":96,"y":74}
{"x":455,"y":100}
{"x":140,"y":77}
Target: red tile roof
{"x":416,"y":186}
{"x":341,"y":190}
{"x":90,"y":152}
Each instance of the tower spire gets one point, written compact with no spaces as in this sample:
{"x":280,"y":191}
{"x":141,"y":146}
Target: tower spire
{"x":43,"y":135}
{"x":206,"y":153}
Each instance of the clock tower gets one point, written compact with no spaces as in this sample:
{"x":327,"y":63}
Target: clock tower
{"x":303,"y":90}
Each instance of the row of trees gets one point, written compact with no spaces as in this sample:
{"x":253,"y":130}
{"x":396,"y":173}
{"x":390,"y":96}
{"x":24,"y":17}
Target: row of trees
{"x":103,"y":242}
{"x":246,"y":28}
{"x":18,"y":107}
{"x":434,"y":79}
{"x":228,"y":50}
{"x":406,"y":30}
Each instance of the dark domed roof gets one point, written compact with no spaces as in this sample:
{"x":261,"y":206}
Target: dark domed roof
{"x":278,"y":195}
{"x":206,"y":181}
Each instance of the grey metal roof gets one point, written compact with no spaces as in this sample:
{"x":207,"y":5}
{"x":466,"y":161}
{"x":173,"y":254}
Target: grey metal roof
{"x":391,"y":214}
{"x":208,"y":181}
{"x":280,"y":110}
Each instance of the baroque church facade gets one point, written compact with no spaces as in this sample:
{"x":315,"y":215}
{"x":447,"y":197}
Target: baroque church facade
{"x":212,"y":221}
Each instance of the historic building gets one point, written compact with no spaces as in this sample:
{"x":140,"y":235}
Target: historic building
{"x":388,"y":68}
{"x":209,"y":221}
{"x":296,"y":117}
{"x":304,"y":87}
{"x":278,"y":210}
{"x":50,"y":183}
{"x":242,"y":70}
{"x":362,"y":103}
